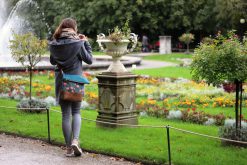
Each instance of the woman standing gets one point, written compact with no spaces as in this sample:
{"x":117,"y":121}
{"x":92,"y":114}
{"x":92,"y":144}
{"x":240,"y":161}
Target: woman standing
{"x":67,"y":51}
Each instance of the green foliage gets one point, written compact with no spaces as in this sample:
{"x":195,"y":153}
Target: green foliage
{"x":223,"y":59}
{"x":27,"y":49}
{"x":207,"y":40}
{"x":194,"y":117}
{"x":231,"y":133}
{"x":118,"y":34}
{"x":160,"y":16}
{"x":228,"y":13}
{"x":186,"y":38}
{"x":94,"y":45}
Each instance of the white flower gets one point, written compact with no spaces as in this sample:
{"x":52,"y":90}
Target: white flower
{"x":210,"y":121}
{"x":51,"y":101}
{"x":143,"y":113}
{"x":175,"y":114}
{"x":244,"y":124}
{"x":84,"y":105}
{"x":4,"y":95}
{"x":229,"y":122}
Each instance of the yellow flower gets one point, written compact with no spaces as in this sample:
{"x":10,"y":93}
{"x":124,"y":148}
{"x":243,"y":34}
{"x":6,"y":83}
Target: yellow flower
{"x":35,"y":85}
{"x":152,"y":102}
{"x":48,"y":88}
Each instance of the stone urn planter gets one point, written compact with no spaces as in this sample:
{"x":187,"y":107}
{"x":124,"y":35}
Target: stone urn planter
{"x":117,"y":86}
{"x":116,"y":50}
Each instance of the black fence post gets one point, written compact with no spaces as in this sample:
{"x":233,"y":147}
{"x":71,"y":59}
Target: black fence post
{"x":168,"y":143}
{"x":48,"y":124}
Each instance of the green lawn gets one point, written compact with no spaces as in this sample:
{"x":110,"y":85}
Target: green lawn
{"x":98,"y":53}
{"x":169,"y":57}
{"x":172,"y":72}
{"x":227,"y":111}
{"x":141,"y":144}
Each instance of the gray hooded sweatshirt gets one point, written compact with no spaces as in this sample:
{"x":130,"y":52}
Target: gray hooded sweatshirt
{"x":67,"y":55}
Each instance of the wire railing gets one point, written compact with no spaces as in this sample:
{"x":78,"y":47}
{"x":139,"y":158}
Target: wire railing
{"x":167,"y":127}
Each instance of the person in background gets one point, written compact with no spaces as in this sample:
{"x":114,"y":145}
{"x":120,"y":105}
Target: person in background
{"x":67,"y":51}
{"x":145,"y":43}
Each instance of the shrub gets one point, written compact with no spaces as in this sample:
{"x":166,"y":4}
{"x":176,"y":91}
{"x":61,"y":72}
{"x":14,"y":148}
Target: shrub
{"x":194,"y":117}
{"x":32,"y":106}
{"x":207,"y":40}
{"x":220,"y":119}
{"x":231,"y":132}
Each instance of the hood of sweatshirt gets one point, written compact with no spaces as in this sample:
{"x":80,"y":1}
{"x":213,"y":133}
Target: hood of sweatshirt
{"x":65,"y":51}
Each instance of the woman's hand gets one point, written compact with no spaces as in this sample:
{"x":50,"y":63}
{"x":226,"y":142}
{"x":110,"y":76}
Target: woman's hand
{"x":82,"y":37}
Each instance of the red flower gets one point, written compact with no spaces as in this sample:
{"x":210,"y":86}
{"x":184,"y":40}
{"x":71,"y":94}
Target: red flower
{"x":188,"y":109}
{"x":86,"y":74}
{"x":193,"y":109}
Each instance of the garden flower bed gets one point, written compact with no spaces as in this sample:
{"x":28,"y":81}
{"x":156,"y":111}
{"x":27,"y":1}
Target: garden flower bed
{"x":169,"y":98}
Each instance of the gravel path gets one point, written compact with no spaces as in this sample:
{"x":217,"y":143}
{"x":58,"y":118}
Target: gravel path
{"x":16,"y":150}
{"x":149,"y":64}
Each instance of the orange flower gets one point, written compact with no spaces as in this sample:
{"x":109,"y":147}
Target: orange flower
{"x":48,"y":88}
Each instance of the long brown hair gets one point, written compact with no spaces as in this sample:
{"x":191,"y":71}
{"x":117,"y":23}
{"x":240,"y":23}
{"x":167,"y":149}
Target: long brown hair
{"x":66,"y":23}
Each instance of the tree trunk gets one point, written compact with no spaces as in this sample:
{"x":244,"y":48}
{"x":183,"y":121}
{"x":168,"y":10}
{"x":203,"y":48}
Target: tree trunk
{"x":30,"y":78}
{"x":236,"y":103}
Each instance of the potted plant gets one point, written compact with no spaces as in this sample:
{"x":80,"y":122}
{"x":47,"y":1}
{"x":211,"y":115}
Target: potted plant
{"x":224,"y":59}
{"x":187,"y":38}
{"x":27,"y":49}
{"x":116,"y":45}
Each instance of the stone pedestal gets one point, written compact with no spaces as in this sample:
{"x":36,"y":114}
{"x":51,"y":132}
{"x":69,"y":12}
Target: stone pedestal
{"x":117,"y":93}
{"x":165,"y":45}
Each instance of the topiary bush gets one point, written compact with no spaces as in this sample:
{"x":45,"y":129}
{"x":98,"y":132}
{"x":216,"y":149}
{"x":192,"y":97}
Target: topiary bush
{"x":187,"y":38}
{"x":32,"y":106}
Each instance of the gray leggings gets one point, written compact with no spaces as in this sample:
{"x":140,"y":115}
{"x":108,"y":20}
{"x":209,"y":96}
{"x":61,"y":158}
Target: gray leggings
{"x":70,"y":129}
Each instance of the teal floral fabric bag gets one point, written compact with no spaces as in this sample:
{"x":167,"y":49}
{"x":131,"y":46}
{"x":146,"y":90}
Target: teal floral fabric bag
{"x":72,"y":88}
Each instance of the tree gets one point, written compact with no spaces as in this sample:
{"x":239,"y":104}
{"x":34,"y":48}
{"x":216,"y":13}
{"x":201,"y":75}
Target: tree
{"x":224,"y":59}
{"x":27,"y":49}
{"x":161,"y":17}
{"x":228,"y":13}
{"x":187,"y":38}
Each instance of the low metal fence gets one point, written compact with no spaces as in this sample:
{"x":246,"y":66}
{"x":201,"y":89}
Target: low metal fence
{"x":167,"y":127}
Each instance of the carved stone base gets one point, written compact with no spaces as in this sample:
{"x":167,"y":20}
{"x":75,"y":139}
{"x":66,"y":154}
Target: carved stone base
{"x":117,"y":93}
